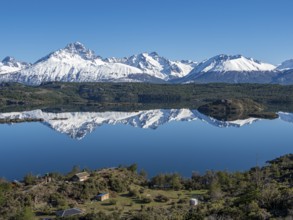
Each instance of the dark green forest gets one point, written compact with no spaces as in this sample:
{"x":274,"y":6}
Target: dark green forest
{"x":136,"y":96}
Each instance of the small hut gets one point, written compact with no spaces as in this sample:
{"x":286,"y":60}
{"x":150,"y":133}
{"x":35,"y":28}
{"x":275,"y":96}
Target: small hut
{"x":103,"y":196}
{"x":80,"y":177}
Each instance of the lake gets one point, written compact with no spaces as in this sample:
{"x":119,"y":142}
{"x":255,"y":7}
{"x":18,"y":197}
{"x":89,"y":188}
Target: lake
{"x":160,"y":140}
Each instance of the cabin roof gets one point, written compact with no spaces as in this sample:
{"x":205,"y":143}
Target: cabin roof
{"x":102,"y":194}
{"x":82,"y":174}
{"x":68,"y":212}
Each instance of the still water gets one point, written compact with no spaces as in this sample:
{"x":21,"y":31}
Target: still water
{"x":176,"y":140}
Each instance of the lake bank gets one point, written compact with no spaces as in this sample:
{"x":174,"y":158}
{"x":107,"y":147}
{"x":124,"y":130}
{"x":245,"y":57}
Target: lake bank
{"x":267,"y":191}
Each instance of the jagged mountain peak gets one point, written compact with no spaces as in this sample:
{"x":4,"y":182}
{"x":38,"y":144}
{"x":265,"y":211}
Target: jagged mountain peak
{"x":11,"y":61}
{"x":8,"y":59}
{"x":149,"y":54}
{"x":144,"y":57}
{"x":158,"y":65}
{"x":75,"y":46}
{"x":10,"y":64}
{"x":78,"y":48}
{"x":153,"y":54}
{"x":76,"y":63}
{"x":71,"y":50}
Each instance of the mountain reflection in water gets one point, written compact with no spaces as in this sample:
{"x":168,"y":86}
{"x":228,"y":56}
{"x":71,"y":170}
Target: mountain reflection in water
{"x":78,"y":124}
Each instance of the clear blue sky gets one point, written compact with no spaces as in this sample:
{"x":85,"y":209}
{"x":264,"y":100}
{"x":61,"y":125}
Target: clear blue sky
{"x":177,"y":29}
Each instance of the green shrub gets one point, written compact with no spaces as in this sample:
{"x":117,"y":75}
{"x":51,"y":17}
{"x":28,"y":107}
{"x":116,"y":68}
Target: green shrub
{"x":161,"y":198}
{"x":146,"y":199}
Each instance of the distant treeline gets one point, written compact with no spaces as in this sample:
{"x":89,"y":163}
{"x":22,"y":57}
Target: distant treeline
{"x":131,"y":96}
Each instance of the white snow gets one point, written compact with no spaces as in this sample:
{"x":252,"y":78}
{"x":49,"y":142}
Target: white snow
{"x":160,"y":67}
{"x":75,"y":63}
{"x":7,"y":69}
{"x":225,"y":63}
{"x":10,"y":65}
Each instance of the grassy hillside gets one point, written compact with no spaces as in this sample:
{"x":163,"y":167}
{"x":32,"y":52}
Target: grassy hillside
{"x":259,"y":193}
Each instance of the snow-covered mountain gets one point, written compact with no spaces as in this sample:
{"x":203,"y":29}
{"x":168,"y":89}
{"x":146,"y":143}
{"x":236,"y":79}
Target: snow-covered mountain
{"x":226,"y":63}
{"x":76,"y":63}
{"x":9,"y":65}
{"x":161,"y":67}
{"x":78,"y":124}
{"x":231,"y":69}
{"x":286,"y":65}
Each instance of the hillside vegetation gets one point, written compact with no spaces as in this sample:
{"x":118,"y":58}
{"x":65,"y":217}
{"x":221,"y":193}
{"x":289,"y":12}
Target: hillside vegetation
{"x":136,"y":96}
{"x":259,"y":193}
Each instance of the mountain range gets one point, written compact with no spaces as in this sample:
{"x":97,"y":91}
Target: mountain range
{"x":76,"y":63}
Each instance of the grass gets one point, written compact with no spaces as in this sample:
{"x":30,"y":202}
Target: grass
{"x":126,"y":203}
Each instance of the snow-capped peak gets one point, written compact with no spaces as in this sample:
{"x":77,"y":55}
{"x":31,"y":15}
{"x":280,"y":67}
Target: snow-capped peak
{"x":72,"y":51}
{"x":76,"y":46}
{"x":153,"y":54}
{"x":153,"y":63}
{"x":80,"y":49}
{"x":8,"y":60}
{"x":286,"y":65}
{"x":10,"y":64}
{"x":74,"y":63}
{"x":225,"y":63}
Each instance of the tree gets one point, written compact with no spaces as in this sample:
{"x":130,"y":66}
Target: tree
{"x":175,"y":181}
{"x":57,"y":200}
{"x":159,"y":180}
{"x":75,"y":169}
{"x":162,"y":198}
{"x":5,"y":187}
{"x":118,"y":185}
{"x":133,"y":168}
{"x":25,"y":214}
{"x":215,"y":190}
{"x":29,"y":179}
{"x":143,"y":173}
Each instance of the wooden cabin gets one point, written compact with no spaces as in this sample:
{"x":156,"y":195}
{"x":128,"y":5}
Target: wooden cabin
{"x":80,"y":177}
{"x":103,"y":196}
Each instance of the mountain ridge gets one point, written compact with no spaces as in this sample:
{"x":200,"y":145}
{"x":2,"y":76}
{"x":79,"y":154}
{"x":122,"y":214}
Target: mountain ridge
{"x":76,"y":63}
